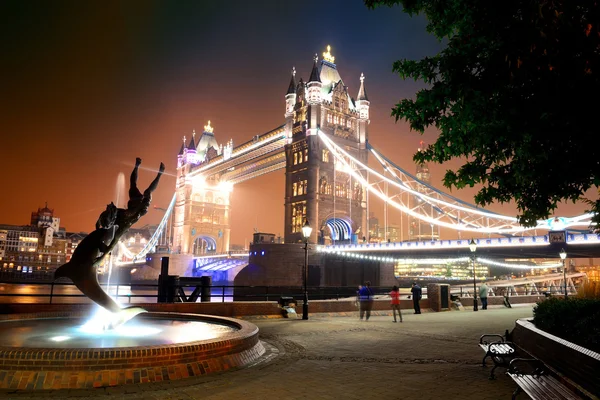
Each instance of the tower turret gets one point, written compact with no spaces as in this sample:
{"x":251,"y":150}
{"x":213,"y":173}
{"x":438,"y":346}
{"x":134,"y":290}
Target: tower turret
{"x":362,"y":104}
{"x":181,"y":153}
{"x":192,"y":146}
{"x":290,"y":96}
{"x":362,"y":100}
{"x":314,"y":85}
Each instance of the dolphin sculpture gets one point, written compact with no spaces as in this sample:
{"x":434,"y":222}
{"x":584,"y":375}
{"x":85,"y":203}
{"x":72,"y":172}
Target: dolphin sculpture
{"x":81,"y":269}
{"x":111,"y":225}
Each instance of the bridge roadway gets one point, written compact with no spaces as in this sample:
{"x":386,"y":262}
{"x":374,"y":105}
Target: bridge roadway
{"x":576,"y":246}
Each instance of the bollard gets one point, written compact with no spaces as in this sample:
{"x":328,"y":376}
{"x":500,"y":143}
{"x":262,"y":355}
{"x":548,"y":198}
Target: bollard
{"x":172,"y":283}
{"x":205,"y":282}
{"x":163,"y":280}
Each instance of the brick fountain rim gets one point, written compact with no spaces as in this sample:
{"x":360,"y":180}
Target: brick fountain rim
{"x":27,"y":368}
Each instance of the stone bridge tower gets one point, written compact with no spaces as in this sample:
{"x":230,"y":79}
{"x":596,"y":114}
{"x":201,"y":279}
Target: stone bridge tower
{"x":316,"y":189}
{"x":201,"y":211}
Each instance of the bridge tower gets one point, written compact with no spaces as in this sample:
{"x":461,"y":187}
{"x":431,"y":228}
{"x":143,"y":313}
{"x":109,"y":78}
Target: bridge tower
{"x":202,"y":208}
{"x":316,"y":188}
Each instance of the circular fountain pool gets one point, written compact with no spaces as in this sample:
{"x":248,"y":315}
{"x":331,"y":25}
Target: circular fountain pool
{"x":67,"y":333}
{"x":59,"y":351}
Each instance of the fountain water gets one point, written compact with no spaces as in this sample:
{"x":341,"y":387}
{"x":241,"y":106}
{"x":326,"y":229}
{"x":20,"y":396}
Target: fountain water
{"x":56,"y":350}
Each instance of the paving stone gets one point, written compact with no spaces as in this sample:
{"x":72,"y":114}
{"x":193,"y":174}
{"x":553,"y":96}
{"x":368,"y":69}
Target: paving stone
{"x":428,"y":356}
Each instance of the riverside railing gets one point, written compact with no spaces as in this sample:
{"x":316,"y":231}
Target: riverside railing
{"x":66,"y":292}
{"x":58,"y":292}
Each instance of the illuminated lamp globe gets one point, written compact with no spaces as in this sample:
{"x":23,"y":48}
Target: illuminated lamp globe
{"x":473,"y":246}
{"x":562,"y":254}
{"x":306,"y":230}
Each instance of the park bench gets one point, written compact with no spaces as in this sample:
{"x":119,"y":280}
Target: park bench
{"x":500,"y":351}
{"x":533,"y":378}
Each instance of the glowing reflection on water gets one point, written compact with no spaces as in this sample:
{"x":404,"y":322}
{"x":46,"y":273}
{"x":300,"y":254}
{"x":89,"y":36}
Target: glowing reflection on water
{"x":76,"y":333}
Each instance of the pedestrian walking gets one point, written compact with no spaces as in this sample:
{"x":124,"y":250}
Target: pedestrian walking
{"x":417,"y":293}
{"x":483,"y":295}
{"x":395,"y":295}
{"x":365,"y":295}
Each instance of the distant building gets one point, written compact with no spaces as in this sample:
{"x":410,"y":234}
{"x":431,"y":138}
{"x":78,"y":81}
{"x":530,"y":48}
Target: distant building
{"x":36,"y":249}
{"x":382,"y":232}
{"x":418,"y":229}
{"x":259,"y":237}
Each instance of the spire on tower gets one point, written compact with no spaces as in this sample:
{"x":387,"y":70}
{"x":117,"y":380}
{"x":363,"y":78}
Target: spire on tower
{"x":314,"y":74}
{"x":192,"y":145}
{"x":292,"y":87}
{"x":327,"y":55}
{"x":362,"y":93}
{"x":208,"y":128}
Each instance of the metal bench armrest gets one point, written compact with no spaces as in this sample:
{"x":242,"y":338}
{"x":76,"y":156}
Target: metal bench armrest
{"x":482,"y":339}
{"x":538,"y":366}
{"x":497,"y":344}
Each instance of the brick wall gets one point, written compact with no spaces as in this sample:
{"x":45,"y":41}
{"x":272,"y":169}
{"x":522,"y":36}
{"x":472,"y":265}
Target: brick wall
{"x":434,"y":296}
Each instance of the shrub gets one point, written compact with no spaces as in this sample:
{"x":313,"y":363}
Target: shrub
{"x":575,"y":319}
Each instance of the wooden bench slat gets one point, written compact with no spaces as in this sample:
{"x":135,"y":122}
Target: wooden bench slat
{"x":543,"y":387}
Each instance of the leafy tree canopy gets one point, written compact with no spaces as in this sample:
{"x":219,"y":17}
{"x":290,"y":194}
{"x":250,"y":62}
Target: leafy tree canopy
{"x":516,"y":92}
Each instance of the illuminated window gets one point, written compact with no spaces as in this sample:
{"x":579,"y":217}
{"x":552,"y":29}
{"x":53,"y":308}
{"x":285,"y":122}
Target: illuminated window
{"x":336,"y":120}
{"x":348,"y":123}
{"x":295,"y":188}
{"x":329,"y":118}
{"x":295,"y":158}
{"x":305,"y":155}
{"x":298,"y":216}
{"x":325,"y":155}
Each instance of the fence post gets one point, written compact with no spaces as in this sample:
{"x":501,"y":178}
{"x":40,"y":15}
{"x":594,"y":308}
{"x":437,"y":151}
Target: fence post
{"x":51,"y":291}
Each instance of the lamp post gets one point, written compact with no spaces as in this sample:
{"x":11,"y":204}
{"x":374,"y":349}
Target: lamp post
{"x":306,"y":231}
{"x":563,"y":255}
{"x":473,"y":247}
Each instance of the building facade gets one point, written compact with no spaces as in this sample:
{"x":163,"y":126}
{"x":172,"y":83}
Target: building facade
{"x":36,"y":249}
{"x":317,"y":189}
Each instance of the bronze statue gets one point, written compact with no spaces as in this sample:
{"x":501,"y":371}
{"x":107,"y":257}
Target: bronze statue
{"x":111,"y":225}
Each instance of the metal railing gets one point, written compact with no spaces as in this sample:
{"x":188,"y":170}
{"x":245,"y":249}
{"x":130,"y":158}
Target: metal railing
{"x":53,"y":292}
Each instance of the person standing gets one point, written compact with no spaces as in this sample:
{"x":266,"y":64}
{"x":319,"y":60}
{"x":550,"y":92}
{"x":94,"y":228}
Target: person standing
{"x":483,"y":294}
{"x":416,"y":297}
{"x":365,"y":295}
{"x":395,"y":295}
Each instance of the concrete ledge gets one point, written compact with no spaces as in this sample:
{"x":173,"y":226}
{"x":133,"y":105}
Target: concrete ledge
{"x":577,"y":363}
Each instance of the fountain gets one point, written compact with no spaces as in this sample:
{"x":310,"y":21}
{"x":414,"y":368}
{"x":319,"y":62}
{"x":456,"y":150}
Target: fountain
{"x":117,"y":346}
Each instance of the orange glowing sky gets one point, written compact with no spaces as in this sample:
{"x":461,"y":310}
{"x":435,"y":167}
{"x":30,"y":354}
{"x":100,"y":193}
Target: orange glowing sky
{"x":88,"y":86}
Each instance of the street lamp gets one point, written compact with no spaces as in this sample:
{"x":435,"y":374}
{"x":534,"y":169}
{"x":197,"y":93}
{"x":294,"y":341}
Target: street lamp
{"x":563,"y":255}
{"x":306,"y":231}
{"x":473,"y":247}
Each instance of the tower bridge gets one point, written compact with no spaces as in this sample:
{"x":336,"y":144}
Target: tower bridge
{"x":332,"y":172}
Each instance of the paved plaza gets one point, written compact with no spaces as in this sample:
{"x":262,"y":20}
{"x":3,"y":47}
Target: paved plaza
{"x":428,"y":356}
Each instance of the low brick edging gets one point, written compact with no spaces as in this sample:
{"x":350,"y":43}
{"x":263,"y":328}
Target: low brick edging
{"x":499,"y":300}
{"x":72,"y":368}
{"x":235,"y":309}
{"x":577,"y":363}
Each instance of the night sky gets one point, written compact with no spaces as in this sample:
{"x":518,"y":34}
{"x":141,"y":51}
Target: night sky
{"x":89,"y":85}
